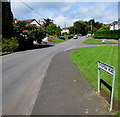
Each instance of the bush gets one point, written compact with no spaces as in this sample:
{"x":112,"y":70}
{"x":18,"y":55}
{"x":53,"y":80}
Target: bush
{"x":70,"y":36}
{"x":9,"y":45}
{"x":111,"y":34}
{"x":36,"y":35}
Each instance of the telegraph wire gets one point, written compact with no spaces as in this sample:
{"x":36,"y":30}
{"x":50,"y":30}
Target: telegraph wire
{"x":30,"y":7}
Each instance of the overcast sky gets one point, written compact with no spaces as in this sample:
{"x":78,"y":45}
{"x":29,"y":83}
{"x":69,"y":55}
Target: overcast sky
{"x":68,"y":12}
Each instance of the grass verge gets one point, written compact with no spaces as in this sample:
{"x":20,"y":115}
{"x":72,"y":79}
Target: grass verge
{"x":97,"y":41}
{"x":57,"y":41}
{"x":86,"y":61}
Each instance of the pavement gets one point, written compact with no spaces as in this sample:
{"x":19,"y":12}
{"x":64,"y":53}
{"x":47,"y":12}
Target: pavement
{"x":65,"y":91}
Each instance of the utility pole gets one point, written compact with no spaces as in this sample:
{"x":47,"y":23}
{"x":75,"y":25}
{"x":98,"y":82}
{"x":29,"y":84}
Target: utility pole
{"x":65,"y":24}
{"x":66,"y":38}
{"x":91,"y":26}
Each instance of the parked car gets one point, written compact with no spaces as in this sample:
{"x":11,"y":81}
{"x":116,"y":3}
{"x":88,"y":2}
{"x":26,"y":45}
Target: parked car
{"x":88,"y":35}
{"x":62,"y":37}
{"x":75,"y":37}
{"x":45,"y":40}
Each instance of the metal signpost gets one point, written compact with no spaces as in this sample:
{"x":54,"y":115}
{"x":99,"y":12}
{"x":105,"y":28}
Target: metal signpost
{"x":111,"y":71}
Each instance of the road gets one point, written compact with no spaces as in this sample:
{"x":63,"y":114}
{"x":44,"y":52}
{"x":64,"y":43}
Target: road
{"x":23,"y":74}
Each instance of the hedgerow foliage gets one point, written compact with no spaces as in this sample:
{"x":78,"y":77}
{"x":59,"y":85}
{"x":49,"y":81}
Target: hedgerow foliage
{"x":111,"y":34}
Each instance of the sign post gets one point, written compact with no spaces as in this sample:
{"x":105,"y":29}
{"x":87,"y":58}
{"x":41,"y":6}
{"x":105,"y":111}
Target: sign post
{"x":111,"y":71}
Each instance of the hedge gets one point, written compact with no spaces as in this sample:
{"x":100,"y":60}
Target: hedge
{"x":9,"y":45}
{"x":111,"y":34}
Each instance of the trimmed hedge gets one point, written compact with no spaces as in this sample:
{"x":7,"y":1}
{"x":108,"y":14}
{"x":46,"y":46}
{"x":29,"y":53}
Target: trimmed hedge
{"x":9,"y":45}
{"x":111,"y":34}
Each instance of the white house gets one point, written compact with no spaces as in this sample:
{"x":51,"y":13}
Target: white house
{"x":65,"y":30}
{"x":115,"y":25}
{"x":32,"y":21}
{"x":41,"y":21}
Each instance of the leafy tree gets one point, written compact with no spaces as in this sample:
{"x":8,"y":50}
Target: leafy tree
{"x":47,"y":21}
{"x":98,"y":25}
{"x":71,"y":29}
{"x":80,"y":27}
{"x":22,"y":25}
{"x":7,"y":20}
{"x":36,"y":35}
{"x":58,"y":31}
{"x":91,"y":22}
{"x":51,"y":29}
{"x":26,"y":38}
{"x":105,"y":28}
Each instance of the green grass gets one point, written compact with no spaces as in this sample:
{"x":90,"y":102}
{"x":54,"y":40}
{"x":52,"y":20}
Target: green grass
{"x":97,"y":41}
{"x":57,"y":41}
{"x":86,"y":60}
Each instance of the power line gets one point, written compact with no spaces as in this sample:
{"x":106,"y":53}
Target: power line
{"x":30,"y":7}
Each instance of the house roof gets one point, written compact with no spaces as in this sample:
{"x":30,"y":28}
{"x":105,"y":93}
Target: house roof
{"x":115,"y":23}
{"x":65,"y":28}
{"x":30,"y":21}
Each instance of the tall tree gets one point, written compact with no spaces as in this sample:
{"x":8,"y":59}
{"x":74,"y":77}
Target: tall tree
{"x":98,"y":25}
{"x":7,"y":20}
{"x":80,"y":27}
{"x":72,"y":30}
{"x":51,"y":29}
{"x":47,"y":21}
{"x":58,"y":31}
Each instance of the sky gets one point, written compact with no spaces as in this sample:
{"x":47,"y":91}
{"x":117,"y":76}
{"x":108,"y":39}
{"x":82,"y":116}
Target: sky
{"x":69,"y":12}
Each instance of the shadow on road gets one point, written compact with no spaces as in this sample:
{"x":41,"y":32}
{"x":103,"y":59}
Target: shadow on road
{"x":30,"y":48}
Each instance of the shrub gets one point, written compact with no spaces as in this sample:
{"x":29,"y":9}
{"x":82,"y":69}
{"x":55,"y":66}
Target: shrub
{"x":70,"y":36}
{"x":111,"y":34}
{"x":10,"y":44}
{"x":36,"y":35}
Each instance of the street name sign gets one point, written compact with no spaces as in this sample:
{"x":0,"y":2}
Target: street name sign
{"x":111,"y":71}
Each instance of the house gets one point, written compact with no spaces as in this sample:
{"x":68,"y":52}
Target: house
{"x":41,"y":21}
{"x":65,"y":30}
{"x":30,"y":21}
{"x":15,"y":21}
{"x":115,"y":25}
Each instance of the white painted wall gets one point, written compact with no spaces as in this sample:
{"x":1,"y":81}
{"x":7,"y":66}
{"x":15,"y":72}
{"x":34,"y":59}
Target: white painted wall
{"x":65,"y":30}
{"x":116,"y":27}
{"x":34,"y":22}
{"x":111,"y":27}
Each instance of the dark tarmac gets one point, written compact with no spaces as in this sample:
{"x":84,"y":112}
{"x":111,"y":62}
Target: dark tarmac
{"x":65,"y":91}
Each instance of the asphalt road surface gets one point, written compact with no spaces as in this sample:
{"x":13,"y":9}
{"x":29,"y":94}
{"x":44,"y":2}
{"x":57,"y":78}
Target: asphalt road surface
{"x":23,"y":74}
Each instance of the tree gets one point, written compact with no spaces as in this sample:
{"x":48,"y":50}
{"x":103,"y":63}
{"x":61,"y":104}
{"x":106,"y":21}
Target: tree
{"x":105,"y":28}
{"x":51,"y":29}
{"x":71,"y":29}
{"x":92,"y":26}
{"x":7,"y":20}
{"x":47,"y":21}
{"x":98,"y":25}
{"x":26,"y":33}
{"x":91,"y":22}
{"x":36,"y":35}
{"x":80,"y":27}
{"x":58,"y":31}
